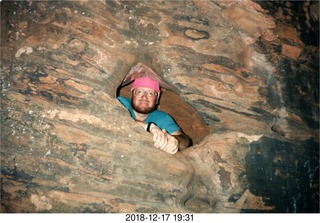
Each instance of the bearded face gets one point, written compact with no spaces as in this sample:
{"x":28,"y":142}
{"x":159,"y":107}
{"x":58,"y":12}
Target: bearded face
{"x":144,"y":100}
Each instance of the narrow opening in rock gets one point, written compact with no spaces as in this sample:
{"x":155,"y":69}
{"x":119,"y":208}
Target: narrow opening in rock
{"x":184,"y":114}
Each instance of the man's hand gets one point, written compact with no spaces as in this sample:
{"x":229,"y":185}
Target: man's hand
{"x":166,"y":142}
{"x":163,"y":140}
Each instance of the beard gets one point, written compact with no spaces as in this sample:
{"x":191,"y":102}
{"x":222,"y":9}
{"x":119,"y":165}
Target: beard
{"x":143,"y":110}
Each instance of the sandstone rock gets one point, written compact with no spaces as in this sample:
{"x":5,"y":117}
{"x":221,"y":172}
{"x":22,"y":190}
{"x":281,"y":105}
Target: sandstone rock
{"x":68,"y":145}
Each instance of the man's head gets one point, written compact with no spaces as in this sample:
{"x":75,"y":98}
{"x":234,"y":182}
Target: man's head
{"x":145,"y":94}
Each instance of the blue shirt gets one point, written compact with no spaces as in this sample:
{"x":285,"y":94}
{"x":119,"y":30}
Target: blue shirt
{"x":160,"y":118}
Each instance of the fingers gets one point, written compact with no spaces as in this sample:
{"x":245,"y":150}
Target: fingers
{"x":159,"y":139}
{"x":165,"y":142}
{"x":172,"y":146}
{"x":171,"y":149}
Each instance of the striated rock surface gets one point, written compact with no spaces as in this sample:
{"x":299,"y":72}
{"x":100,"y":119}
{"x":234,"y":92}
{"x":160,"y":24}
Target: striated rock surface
{"x":244,"y":79}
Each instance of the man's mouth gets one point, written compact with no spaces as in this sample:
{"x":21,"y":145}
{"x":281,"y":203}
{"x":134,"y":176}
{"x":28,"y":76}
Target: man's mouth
{"x":144,"y":103}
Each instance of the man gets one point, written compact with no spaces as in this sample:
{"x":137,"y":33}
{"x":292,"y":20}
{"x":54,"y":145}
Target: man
{"x":167,"y":135}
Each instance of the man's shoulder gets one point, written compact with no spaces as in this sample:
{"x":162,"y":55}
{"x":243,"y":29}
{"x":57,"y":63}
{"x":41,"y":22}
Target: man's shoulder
{"x":164,"y":121}
{"x":125,"y":101}
{"x":121,"y":98}
{"x":160,"y":115}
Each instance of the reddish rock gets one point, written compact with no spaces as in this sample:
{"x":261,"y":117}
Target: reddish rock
{"x":291,"y":51}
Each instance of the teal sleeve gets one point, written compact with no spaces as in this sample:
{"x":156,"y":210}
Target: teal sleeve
{"x":125,"y":101}
{"x":163,"y":121}
{"x":169,"y":125}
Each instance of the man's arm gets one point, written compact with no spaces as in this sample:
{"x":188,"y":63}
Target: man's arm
{"x":184,"y":141}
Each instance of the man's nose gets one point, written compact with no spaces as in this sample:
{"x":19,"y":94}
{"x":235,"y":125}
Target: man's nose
{"x":144,"y":95}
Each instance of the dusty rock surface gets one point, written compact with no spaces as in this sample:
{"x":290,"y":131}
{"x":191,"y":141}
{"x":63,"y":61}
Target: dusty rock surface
{"x":245,"y":87}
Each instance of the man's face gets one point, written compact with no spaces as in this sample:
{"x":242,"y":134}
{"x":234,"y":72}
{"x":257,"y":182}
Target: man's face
{"x":144,"y":100}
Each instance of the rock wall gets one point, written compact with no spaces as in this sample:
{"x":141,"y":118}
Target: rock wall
{"x":244,"y":78}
